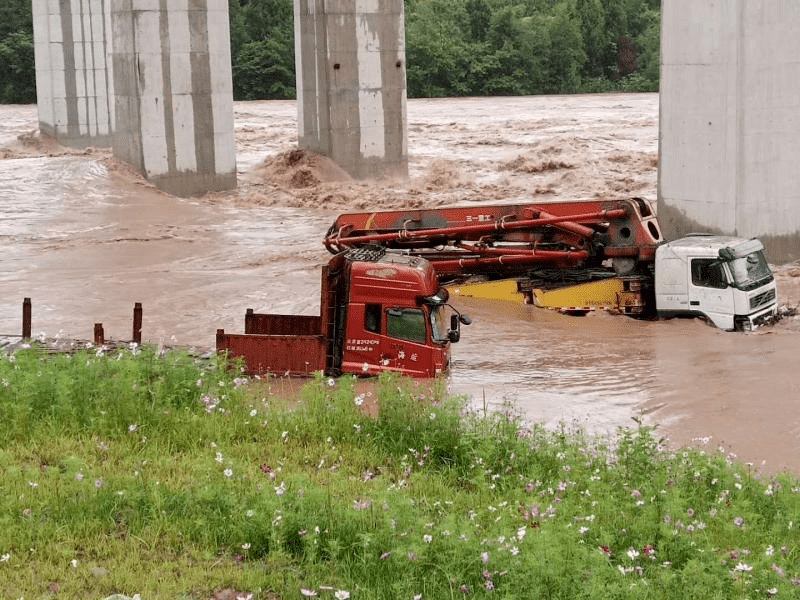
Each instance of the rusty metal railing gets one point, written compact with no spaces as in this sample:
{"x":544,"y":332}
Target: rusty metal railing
{"x":99,"y":333}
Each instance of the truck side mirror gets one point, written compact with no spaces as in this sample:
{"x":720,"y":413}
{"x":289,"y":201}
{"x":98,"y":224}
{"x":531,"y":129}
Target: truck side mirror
{"x":456,"y":320}
{"x":455,"y":329}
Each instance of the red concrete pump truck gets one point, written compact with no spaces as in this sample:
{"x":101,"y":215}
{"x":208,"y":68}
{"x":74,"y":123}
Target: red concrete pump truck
{"x":578,"y":256}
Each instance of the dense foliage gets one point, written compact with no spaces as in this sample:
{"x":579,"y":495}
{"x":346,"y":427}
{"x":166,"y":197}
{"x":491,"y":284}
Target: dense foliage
{"x":155,"y":473}
{"x":17,"y":77}
{"x":453,"y":47}
{"x":262,"y":49}
{"x":499,"y":47}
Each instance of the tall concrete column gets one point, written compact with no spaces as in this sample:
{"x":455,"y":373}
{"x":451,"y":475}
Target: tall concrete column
{"x":351,"y":84}
{"x":730,"y":120}
{"x":73,"y":86}
{"x":174,"y":93}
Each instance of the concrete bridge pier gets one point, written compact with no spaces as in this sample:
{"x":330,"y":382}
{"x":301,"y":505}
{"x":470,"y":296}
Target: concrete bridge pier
{"x":729,"y":138}
{"x":174,"y":93}
{"x":73,"y":80}
{"x":151,"y":78}
{"x":351,"y":84}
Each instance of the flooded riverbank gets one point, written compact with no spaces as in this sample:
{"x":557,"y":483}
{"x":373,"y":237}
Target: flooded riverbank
{"x":84,"y":237}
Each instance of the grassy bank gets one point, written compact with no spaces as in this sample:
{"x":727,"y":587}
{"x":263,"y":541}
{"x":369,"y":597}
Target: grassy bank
{"x":170,"y":477}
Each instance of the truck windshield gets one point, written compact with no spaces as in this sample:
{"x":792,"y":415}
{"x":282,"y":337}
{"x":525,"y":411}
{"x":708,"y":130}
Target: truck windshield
{"x":438,"y":325}
{"x":750,"y":271}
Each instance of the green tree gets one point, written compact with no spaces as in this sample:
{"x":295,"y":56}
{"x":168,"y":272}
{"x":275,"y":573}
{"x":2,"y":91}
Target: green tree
{"x":616,"y":17}
{"x":453,"y":47}
{"x":16,"y":16}
{"x":262,"y":49}
{"x":617,"y":30}
{"x":490,"y":47}
{"x":436,"y":50}
{"x":263,"y":70}
{"x":566,"y":55}
{"x":253,"y":20}
{"x":590,"y":16}
{"x":520,"y":47}
{"x":17,"y":70}
{"x":480,"y":16}
{"x":648,"y":44}
{"x":17,"y":73}
{"x":638,"y":14}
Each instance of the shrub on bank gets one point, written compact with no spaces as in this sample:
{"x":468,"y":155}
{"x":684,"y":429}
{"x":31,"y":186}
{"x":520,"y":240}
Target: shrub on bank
{"x":170,"y":476}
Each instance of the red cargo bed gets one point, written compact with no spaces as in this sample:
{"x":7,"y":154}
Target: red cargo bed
{"x":277,"y":354}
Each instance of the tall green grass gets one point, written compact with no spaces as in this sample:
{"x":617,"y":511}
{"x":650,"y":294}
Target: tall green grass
{"x":173,"y":477}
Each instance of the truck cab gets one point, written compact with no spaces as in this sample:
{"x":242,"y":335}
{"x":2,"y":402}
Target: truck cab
{"x":723,"y":279}
{"x":395,"y":318}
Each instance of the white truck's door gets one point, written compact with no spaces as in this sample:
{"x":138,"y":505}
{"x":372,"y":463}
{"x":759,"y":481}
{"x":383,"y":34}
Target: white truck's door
{"x":710,"y":292}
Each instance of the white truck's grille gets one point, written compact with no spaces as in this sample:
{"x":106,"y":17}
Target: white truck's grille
{"x":762,"y":299}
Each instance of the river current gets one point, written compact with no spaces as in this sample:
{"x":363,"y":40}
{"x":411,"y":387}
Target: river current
{"x":85,"y":237}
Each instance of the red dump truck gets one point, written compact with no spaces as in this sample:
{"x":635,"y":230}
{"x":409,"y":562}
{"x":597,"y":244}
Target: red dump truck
{"x":379,"y":311}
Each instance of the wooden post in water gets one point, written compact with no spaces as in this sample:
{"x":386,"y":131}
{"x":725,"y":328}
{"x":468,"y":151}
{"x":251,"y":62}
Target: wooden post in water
{"x":26,"y":319}
{"x":137,"y":323}
{"x":99,"y":336}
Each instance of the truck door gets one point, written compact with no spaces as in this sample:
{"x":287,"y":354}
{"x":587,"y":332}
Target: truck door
{"x":362,"y":345}
{"x":710,"y":292}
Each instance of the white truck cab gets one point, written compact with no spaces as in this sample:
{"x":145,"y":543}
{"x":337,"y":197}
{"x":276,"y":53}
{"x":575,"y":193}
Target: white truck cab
{"x":724,"y":279}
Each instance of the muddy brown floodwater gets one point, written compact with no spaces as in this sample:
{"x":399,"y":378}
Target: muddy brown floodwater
{"x":85,"y":237}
